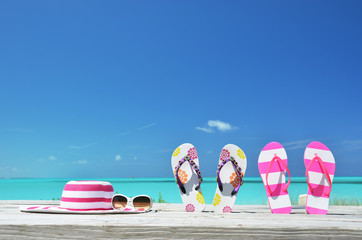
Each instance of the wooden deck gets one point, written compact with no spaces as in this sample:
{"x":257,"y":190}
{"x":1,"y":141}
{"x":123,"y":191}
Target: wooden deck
{"x":169,"y":221}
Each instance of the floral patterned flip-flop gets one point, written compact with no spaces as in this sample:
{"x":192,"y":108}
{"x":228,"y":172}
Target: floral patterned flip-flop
{"x":185,"y":165}
{"x":230,"y":173}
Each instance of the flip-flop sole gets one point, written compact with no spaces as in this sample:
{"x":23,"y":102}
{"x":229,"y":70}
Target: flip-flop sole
{"x":317,"y":202}
{"x":278,"y":200}
{"x":193,"y":200}
{"x":223,"y":200}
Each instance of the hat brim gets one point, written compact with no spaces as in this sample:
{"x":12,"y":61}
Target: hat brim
{"x":58,"y":209}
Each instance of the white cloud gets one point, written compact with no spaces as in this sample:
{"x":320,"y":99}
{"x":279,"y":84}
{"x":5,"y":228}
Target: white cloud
{"x":6,"y":170}
{"x":80,"y":162}
{"x":207,"y":130}
{"x":218,"y":125}
{"x":118,"y":158}
{"x":297,"y":144}
{"x":221,"y":126}
{"x":52,"y":158}
{"x":13,"y":172}
{"x":147,"y":126}
{"x":81,"y":147}
{"x":135,"y":158}
{"x":123,"y":134}
{"x":347,"y":145}
{"x":353,"y":144}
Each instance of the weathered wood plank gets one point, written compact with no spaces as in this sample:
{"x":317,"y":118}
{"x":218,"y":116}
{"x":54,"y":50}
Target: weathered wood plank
{"x":169,"y":221}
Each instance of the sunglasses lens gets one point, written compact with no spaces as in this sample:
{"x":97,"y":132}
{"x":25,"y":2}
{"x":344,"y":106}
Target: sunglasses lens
{"x":119,"y":202}
{"x":142,"y":203}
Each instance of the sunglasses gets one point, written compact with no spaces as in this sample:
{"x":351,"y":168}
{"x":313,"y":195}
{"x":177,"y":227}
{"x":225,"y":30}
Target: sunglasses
{"x":141,"y":203}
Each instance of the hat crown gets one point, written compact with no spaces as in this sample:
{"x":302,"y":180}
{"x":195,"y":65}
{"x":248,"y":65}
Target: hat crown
{"x":87,"y":196}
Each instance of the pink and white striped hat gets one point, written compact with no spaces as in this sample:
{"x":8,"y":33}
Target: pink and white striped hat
{"x":84,"y":197}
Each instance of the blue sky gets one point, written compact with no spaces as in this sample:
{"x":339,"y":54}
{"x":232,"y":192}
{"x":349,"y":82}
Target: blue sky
{"x":109,"y":89}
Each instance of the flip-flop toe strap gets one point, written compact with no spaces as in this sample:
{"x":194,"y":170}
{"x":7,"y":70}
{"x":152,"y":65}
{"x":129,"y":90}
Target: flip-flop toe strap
{"x":193,"y":166}
{"x":325,"y":171}
{"x":277,"y":159}
{"x":237,"y":169}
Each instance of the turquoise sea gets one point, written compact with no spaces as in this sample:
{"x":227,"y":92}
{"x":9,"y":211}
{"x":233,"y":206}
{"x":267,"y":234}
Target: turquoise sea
{"x":252,"y":191}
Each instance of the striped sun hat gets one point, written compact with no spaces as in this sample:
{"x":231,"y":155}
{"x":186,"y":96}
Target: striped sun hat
{"x":85,"y":197}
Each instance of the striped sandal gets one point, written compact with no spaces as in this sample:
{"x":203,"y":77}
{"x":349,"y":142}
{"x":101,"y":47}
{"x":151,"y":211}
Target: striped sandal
{"x":272,"y":165}
{"x":320,"y":167}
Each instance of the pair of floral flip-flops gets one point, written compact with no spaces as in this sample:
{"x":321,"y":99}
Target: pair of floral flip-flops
{"x":230,"y":173}
{"x":320,"y":168}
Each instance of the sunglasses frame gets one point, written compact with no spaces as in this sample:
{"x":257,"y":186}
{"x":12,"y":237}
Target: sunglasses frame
{"x":130,"y":202}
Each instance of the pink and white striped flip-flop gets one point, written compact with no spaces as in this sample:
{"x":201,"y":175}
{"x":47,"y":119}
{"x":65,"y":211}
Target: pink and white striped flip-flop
{"x":320,"y":168}
{"x":272,"y":165}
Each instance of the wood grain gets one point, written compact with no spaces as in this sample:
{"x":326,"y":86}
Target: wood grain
{"x":169,"y":221}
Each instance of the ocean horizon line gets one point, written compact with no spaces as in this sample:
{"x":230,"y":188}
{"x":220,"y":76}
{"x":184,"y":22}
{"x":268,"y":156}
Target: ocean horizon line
{"x":339,"y":179}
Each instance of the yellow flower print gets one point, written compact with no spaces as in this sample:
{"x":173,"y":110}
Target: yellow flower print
{"x":217,"y":199}
{"x":241,"y":154}
{"x":176,"y":152}
{"x":200,"y":198}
